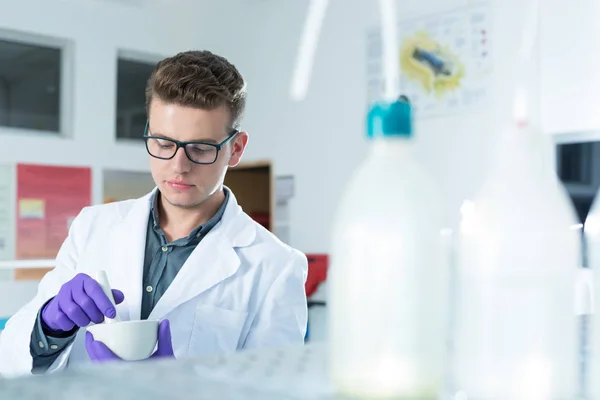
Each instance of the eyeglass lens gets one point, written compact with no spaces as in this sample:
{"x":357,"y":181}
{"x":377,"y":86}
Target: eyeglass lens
{"x":165,"y":149}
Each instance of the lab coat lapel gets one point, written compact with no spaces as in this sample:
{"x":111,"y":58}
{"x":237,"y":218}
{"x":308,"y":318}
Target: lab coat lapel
{"x":129,"y":244}
{"x":212,"y":261}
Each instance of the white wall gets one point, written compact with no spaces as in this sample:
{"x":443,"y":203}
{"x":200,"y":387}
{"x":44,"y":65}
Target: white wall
{"x":320,"y":140}
{"x":94,"y":32}
{"x":571,"y":62}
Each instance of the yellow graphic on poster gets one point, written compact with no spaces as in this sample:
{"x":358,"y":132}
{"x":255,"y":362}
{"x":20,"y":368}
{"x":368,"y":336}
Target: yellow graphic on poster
{"x":32,"y":208}
{"x":445,"y":60}
{"x":432,"y":65}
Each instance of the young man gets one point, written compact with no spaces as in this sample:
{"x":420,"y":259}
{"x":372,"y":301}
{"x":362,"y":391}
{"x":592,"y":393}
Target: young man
{"x":185,"y":254}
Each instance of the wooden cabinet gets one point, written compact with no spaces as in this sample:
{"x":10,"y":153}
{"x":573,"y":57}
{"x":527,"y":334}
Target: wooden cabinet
{"x":252,"y":184}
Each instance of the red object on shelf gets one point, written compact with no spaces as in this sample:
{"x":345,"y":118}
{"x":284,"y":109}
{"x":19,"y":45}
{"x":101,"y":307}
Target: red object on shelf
{"x":317,"y":271}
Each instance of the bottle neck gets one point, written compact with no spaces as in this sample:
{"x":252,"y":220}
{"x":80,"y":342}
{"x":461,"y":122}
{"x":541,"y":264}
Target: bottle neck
{"x":392,"y":146}
{"x":525,"y":148}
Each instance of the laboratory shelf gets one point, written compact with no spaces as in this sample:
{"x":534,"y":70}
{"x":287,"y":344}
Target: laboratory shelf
{"x":290,"y":373}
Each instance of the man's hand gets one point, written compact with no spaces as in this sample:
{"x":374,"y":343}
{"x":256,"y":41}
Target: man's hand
{"x":99,"y":352}
{"x":78,"y":302}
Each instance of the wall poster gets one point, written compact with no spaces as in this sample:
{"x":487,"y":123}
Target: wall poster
{"x":48,"y":198}
{"x":7,"y":222}
{"x":444,"y":58}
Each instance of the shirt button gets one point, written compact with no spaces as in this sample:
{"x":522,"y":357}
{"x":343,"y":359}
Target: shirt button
{"x":41,"y":344}
{"x":165,"y":248}
{"x":198,"y":235}
{"x":149,"y":289}
{"x":54,"y":347}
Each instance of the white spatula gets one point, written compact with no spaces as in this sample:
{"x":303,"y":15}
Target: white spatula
{"x":102,"y":279}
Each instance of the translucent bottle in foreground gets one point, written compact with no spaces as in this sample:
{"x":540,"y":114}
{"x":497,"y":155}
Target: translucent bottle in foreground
{"x":518,"y":257}
{"x":388,"y":277}
{"x":589,"y":288}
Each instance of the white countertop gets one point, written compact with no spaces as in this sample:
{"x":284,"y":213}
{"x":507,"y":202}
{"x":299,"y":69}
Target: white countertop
{"x":292,"y":373}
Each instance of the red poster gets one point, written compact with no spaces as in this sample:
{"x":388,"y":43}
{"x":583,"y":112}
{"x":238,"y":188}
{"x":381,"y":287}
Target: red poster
{"x":48,"y":198}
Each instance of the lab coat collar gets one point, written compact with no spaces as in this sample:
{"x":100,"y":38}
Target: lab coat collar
{"x":212,"y":261}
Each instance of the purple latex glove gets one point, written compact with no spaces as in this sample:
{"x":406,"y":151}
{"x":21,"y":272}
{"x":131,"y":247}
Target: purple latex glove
{"x":78,"y":302}
{"x":99,"y":352}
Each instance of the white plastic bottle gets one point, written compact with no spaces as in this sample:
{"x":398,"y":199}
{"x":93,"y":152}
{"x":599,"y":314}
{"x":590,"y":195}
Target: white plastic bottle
{"x":591,"y":360}
{"x":387,"y":281}
{"x":518,"y":257}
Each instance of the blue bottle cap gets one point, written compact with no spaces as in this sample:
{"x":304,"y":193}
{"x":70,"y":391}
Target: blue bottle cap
{"x":390,"y":119}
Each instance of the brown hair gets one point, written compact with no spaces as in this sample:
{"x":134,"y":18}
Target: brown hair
{"x":199,"y":79}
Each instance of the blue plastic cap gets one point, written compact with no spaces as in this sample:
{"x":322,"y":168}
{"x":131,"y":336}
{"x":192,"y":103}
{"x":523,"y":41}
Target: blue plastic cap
{"x":390,"y":119}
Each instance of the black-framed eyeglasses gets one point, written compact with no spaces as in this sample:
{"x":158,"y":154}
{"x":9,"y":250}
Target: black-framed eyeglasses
{"x":196,"y":152}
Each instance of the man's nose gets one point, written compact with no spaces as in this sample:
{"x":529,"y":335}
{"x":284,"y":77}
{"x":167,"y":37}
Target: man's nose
{"x":181,"y":162}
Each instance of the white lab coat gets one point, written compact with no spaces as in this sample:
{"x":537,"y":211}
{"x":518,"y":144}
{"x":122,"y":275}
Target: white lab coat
{"x":240,"y":288}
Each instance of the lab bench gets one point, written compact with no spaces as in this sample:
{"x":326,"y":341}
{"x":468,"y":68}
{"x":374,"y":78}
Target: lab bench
{"x":289,"y":373}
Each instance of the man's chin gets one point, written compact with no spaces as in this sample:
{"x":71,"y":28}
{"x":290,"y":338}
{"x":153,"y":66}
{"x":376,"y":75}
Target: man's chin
{"x":181,"y":200}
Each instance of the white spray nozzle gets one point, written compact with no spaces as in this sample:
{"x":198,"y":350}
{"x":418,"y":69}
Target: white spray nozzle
{"x":529,"y":39}
{"x":531,"y":31}
{"x":102,"y":279}
{"x":389,"y":39}
{"x":308,"y":48}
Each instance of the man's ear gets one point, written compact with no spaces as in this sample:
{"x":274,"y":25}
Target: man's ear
{"x":238,"y":146}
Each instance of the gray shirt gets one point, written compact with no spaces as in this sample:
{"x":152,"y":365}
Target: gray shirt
{"x":162,"y":262}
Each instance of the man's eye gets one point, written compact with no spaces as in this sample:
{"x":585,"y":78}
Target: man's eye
{"x":198,"y":149}
{"x":165,"y":144}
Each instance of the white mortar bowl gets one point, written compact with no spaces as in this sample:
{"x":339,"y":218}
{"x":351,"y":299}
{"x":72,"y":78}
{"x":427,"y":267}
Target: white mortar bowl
{"x":129,"y":340}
